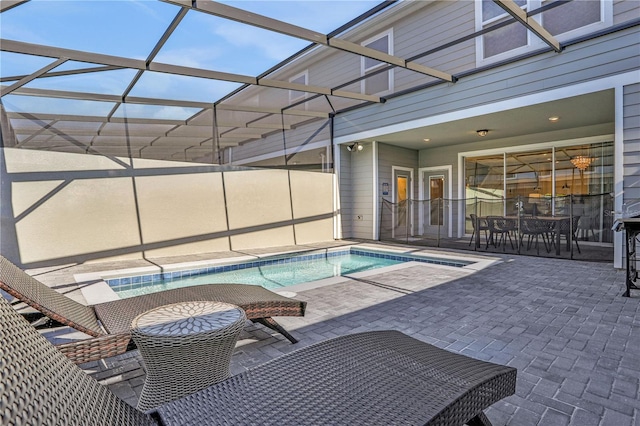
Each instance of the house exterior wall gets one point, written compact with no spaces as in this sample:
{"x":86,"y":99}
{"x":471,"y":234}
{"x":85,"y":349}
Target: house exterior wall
{"x":416,"y":27}
{"x":313,"y":133}
{"x":438,"y":23}
{"x":390,"y":156}
{"x":356,"y":192}
{"x":345,"y":193}
{"x":600,"y":58}
{"x":593,"y":59}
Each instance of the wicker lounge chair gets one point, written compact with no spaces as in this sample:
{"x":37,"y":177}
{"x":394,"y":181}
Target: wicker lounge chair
{"x":371,"y":378}
{"x":108,"y":323}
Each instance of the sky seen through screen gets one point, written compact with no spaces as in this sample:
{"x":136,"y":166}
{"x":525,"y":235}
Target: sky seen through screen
{"x":131,"y":29}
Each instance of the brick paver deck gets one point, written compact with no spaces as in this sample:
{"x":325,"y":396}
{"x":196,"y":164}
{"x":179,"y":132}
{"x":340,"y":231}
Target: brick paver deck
{"x":563,"y":324}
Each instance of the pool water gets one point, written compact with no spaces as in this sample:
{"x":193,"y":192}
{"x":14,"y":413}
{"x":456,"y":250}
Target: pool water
{"x":272,"y":273}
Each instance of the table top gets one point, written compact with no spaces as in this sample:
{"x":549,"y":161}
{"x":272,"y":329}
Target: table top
{"x":186,"y":318}
{"x":548,"y":218}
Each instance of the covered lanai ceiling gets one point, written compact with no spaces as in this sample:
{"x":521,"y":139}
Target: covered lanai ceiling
{"x":89,"y":77}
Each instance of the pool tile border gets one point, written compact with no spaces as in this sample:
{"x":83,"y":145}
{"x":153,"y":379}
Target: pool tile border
{"x":139,"y":281}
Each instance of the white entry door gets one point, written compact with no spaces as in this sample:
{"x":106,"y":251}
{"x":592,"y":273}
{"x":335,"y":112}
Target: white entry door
{"x":435,"y":206}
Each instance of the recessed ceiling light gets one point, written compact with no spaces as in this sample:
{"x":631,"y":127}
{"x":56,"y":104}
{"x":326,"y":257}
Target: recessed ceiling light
{"x":554,"y":118}
{"x":426,"y":139}
{"x":483,"y":132}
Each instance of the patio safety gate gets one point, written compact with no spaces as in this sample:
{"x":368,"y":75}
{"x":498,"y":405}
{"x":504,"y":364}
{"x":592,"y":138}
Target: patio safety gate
{"x":571,"y":226}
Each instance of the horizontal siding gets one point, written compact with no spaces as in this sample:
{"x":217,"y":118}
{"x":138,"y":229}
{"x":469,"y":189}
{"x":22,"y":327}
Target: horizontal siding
{"x":625,"y":10}
{"x":420,"y":26}
{"x":274,"y":143}
{"x":389,"y":156}
{"x":615,"y":53}
{"x":346,"y":193}
{"x":631,"y":149}
{"x":428,"y":25}
{"x":362,"y":192}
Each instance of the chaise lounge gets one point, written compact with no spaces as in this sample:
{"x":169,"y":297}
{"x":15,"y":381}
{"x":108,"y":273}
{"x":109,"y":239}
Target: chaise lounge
{"x":371,"y":378}
{"x":108,"y":323}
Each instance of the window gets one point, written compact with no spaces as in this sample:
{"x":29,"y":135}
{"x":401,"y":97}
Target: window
{"x":505,"y":39}
{"x":564,"y":21}
{"x":539,"y":181}
{"x":295,"y":95}
{"x":380,"y":82}
{"x":571,"y":16}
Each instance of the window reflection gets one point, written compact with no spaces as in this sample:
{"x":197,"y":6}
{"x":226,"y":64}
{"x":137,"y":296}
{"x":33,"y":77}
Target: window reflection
{"x":539,"y":182}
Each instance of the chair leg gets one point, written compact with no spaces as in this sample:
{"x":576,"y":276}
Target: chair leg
{"x":272,"y":324}
{"x":577,"y":246}
{"x":546,"y":237}
{"x":479,"y":420}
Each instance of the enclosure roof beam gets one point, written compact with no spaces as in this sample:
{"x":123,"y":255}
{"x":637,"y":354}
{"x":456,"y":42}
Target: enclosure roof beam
{"x":96,"y":58}
{"x":160,"y":102}
{"x":161,"y":121}
{"x":10,"y":4}
{"x":63,"y":73}
{"x":91,"y":119}
{"x":25,"y":80}
{"x":260,"y":21}
{"x":532,"y":25}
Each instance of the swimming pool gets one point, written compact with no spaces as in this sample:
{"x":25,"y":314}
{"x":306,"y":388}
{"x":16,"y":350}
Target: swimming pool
{"x":274,"y":272}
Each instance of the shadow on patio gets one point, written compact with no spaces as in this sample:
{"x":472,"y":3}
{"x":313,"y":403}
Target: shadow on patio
{"x":563,"y":324}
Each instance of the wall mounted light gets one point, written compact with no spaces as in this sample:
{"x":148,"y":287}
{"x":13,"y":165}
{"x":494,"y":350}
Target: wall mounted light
{"x":482,"y":132}
{"x":355,"y":147}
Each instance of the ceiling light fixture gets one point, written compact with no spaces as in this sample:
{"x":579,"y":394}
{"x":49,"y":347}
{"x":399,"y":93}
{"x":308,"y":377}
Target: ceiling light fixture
{"x":581,"y":162}
{"x":426,"y":139}
{"x":554,"y":118}
{"x":482,"y":133}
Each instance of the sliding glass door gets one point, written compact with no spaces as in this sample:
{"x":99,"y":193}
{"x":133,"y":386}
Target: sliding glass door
{"x":539,"y":182}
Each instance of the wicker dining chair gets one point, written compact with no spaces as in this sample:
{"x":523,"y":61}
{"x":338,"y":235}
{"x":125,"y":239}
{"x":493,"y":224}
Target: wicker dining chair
{"x":108,"y":323}
{"x":569,"y":230}
{"x":533,"y":229}
{"x":370,"y":378}
{"x":501,"y":228}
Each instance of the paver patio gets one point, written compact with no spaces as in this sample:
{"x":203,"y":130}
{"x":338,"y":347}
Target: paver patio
{"x":563,"y":324}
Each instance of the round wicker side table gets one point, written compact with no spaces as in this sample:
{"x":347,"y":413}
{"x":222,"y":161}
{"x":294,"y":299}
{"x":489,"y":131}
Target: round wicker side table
{"x":186,"y":347}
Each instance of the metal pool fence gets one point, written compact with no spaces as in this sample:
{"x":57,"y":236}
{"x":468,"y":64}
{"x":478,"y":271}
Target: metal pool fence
{"x":571,"y":226}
